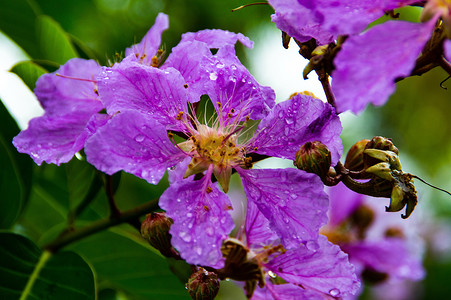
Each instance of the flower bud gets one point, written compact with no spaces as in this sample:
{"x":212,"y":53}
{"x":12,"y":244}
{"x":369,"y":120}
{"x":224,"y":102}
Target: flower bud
{"x":313,"y":157}
{"x":155,"y":229}
{"x":380,"y":143}
{"x":354,"y":158}
{"x":203,"y":285}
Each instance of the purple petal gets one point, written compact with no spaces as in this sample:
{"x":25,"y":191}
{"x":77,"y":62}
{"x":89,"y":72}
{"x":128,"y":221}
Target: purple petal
{"x":286,"y":292}
{"x":258,"y":229}
{"x":296,"y":121}
{"x":150,"y":43}
{"x":389,"y":255}
{"x":326,"y":270}
{"x":222,"y":77}
{"x":132,"y":86}
{"x":292,"y":200}
{"x":201,"y":220}
{"x":348,"y":17}
{"x":190,"y":58}
{"x":368,"y":64}
{"x":299,"y":22}
{"x":54,"y":139}
{"x":447,"y":49}
{"x":236,"y":89}
{"x":71,"y":88}
{"x":342,"y":203}
{"x":216,"y":38}
{"x":135,"y":143}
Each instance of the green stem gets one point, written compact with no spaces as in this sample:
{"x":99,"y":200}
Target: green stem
{"x":39,"y":266}
{"x":73,"y":236}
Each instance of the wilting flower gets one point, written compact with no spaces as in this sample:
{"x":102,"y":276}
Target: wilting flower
{"x":379,"y":247}
{"x":258,"y":259}
{"x":156,"y":127}
{"x":72,"y":104}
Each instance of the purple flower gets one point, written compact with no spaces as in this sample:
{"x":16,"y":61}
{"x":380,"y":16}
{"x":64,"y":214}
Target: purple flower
{"x":447,"y":50}
{"x":149,"y":102}
{"x":306,"y":273}
{"x":379,"y":248}
{"x":324,"y":20}
{"x":71,"y":102}
{"x":69,"y":98}
{"x":368,"y":64}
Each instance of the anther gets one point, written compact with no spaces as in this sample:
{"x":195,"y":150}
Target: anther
{"x":96,"y":91}
{"x":255,"y":148}
{"x":170,"y":135}
{"x":179,"y":116}
{"x":185,"y":85}
{"x":206,"y":208}
{"x":137,"y":55}
{"x":230,"y":115}
{"x":209,"y":190}
{"x":232,"y":110}
{"x":219,"y":104}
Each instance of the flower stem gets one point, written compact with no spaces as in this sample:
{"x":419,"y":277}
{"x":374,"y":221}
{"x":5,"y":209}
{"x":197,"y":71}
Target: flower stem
{"x":324,"y":79}
{"x":114,"y":211}
{"x":73,"y":236}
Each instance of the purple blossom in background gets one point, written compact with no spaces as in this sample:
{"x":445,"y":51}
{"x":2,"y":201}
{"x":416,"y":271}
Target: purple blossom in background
{"x":151,"y":101}
{"x":324,"y":20}
{"x":368,"y":64}
{"x":381,"y":250}
{"x":318,"y":273}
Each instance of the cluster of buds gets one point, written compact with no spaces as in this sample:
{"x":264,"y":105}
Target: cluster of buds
{"x":378,"y":161}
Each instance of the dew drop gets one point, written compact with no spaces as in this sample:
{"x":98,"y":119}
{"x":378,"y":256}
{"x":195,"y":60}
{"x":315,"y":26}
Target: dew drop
{"x":286,"y":220}
{"x":209,"y":230}
{"x":189,"y":215}
{"x":213,"y":76}
{"x":280,"y":114}
{"x":334,"y":292}
{"x":271,"y":274}
{"x":219,"y":65}
{"x":185,"y":236}
{"x":312,"y":245}
{"x":198,"y":250}
{"x":139,"y":138}
{"x":289,"y":120}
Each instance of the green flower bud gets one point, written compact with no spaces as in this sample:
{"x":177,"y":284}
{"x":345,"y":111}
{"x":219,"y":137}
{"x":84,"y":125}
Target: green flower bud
{"x":313,"y":157}
{"x":354,"y":158}
{"x":155,"y":229}
{"x":380,"y":143}
{"x":203,"y":285}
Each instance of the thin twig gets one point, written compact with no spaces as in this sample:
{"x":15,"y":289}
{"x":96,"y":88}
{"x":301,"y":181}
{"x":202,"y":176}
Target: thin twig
{"x":100,"y":225}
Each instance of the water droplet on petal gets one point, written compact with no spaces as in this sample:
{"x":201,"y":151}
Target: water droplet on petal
{"x":334,"y":292}
{"x":213,"y":76}
{"x":209,"y":230}
{"x":189,"y":215}
{"x":271,"y":274}
{"x":185,"y":236}
{"x":139,"y":138}
{"x":289,"y":120}
{"x":312,"y":245}
{"x":198,"y":250}
{"x":281,"y":114}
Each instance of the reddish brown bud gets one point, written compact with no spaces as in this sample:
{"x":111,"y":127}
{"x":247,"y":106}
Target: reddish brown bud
{"x":155,"y":229}
{"x":203,"y":285}
{"x":313,"y":157}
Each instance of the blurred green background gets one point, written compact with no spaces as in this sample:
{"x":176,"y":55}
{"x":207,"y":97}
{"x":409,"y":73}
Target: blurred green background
{"x":417,"y":118}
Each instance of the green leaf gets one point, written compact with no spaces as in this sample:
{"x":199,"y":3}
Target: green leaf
{"x":28,"y":273}
{"x":54,"y":42}
{"x":29,"y":72}
{"x":15,"y":172}
{"x":123,"y":260}
{"x":17,"y":20}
